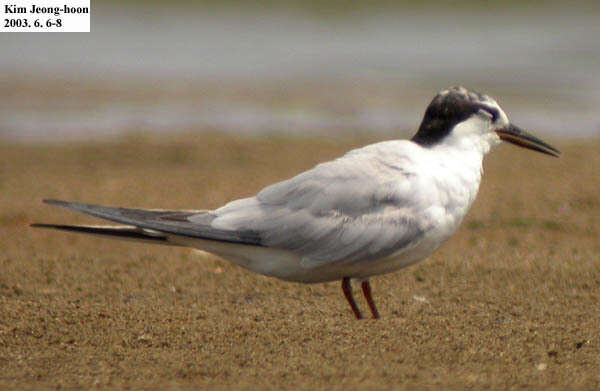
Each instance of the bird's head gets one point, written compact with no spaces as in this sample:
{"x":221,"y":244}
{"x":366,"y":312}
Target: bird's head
{"x":460,"y":117}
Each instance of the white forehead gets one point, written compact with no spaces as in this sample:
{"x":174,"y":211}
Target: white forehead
{"x":469,"y":95}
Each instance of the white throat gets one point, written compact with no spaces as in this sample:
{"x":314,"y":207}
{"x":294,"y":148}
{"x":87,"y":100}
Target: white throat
{"x":472,"y":136}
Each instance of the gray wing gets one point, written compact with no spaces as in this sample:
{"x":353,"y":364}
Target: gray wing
{"x":165,"y":221}
{"x":354,"y":209}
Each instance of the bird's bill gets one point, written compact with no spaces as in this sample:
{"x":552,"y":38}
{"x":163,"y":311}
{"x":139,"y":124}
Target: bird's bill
{"x":519,"y":137}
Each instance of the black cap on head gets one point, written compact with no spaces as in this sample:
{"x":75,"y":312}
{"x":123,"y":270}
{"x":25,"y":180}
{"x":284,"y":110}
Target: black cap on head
{"x":447,"y":109}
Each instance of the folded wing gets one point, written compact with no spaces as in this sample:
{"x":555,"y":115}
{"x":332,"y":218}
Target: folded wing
{"x":353,"y":209}
{"x":165,"y":221}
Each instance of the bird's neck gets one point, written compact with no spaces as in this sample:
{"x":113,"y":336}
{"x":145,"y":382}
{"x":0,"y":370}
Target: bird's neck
{"x":461,"y":163}
{"x":474,"y":145}
{"x":458,"y":175}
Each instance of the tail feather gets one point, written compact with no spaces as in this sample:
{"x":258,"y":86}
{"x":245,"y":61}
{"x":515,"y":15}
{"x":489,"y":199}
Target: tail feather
{"x":169,"y":222}
{"x":121,"y":232}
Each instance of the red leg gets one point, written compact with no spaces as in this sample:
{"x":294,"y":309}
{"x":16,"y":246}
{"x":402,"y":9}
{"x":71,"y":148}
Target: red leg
{"x":366,"y":288}
{"x":347,"y":288}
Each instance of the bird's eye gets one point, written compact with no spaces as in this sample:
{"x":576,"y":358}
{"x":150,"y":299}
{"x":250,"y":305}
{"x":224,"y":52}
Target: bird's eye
{"x":491,"y":111}
{"x":494,"y":114}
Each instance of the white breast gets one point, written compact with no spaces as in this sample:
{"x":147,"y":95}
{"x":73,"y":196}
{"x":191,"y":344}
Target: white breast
{"x":449,"y":182}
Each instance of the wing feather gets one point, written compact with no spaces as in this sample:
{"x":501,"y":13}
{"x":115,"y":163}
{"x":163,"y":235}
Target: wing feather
{"x":166,"y":221}
{"x":353,"y":209}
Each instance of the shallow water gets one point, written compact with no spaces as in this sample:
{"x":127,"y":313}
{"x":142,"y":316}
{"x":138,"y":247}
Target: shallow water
{"x":291,"y":72}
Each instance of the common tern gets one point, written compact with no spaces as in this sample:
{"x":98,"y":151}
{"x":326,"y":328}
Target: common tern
{"x":372,"y":211}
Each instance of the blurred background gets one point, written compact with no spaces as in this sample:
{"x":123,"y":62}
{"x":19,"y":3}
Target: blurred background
{"x":295,"y":67}
{"x":188,"y":104}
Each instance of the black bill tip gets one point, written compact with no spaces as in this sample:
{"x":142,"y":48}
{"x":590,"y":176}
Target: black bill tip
{"x":517,"y":136}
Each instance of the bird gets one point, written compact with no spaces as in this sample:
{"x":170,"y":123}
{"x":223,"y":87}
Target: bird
{"x":372,"y":211}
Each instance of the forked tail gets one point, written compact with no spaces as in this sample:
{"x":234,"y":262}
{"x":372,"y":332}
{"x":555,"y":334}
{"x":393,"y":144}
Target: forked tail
{"x":121,"y":232}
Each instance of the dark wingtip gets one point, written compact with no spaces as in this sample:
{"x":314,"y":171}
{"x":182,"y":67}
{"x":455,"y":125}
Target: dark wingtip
{"x":62,"y":204}
{"x":55,"y":202}
{"x":51,"y":202}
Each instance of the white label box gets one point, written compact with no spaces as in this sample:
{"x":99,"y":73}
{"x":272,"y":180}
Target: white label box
{"x":45,"y":16}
